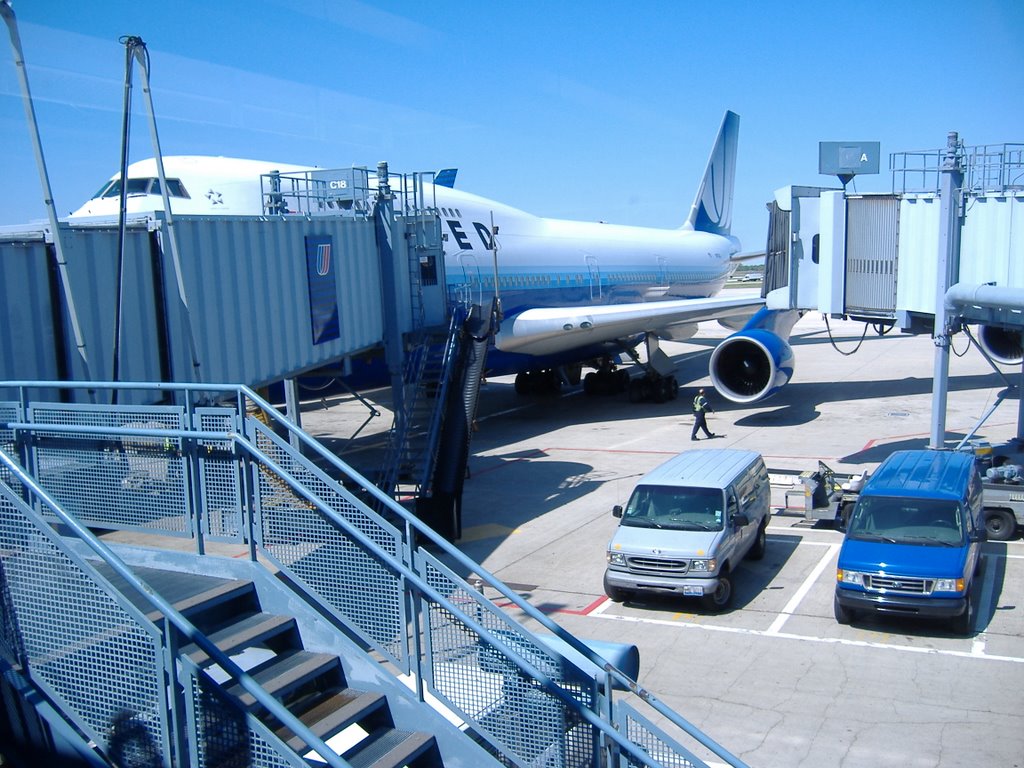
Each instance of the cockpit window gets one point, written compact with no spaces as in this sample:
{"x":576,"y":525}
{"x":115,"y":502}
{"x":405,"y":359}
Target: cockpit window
{"x":148,"y":186}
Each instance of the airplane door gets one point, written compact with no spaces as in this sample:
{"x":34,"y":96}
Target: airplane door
{"x":594,"y":270}
{"x":471,"y":290}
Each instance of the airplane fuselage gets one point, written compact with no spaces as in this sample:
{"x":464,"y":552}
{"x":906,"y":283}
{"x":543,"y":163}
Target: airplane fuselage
{"x":543,"y":262}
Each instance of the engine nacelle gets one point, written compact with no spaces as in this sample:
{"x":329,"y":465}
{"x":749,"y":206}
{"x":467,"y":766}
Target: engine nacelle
{"x":756,"y":362}
{"x":1004,"y":345}
{"x":751,"y":365}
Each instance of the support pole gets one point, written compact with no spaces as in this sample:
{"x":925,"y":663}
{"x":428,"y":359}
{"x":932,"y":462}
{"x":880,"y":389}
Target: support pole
{"x":947,"y":273}
{"x":30,"y":114}
{"x":142,"y":57}
{"x":394,"y":351}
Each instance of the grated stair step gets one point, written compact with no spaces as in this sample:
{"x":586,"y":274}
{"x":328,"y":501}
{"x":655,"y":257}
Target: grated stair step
{"x":389,"y":748}
{"x":246,"y":632}
{"x":221,"y":596}
{"x":331,"y":712}
{"x":288,"y":674}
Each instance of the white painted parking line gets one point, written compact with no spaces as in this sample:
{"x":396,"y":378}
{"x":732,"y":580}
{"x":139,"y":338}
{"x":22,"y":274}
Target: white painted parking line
{"x":801,"y":593}
{"x":807,"y":638}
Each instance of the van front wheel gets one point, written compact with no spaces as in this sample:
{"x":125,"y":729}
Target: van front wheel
{"x":615,"y":594}
{"x":843,"y":615}
{"x":964,"y":623}
{"x":719,"y":599}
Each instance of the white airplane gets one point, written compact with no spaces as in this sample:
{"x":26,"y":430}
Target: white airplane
{"x":573,"y":293}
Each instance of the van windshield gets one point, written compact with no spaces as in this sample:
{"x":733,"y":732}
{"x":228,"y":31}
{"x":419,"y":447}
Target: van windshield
{"x":681,"y":509}
{"x":929,"y":522}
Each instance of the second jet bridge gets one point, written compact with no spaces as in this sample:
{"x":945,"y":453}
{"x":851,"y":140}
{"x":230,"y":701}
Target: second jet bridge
{"x":942,"y":252}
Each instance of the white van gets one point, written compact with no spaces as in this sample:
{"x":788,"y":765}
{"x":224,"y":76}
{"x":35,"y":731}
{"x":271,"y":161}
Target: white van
{"x":688,"y":524}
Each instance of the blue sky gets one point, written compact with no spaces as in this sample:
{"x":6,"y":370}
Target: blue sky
{"x":580,"y":110}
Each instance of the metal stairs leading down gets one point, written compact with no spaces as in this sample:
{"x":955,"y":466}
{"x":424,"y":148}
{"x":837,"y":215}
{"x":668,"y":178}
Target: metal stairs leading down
{"x":311,"y":685}
{"x":412,"y":441}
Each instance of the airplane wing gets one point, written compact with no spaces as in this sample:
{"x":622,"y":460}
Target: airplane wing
{"x":552,"y":330}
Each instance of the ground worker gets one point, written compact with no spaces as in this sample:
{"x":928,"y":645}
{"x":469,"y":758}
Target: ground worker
{"x":700,"y":409}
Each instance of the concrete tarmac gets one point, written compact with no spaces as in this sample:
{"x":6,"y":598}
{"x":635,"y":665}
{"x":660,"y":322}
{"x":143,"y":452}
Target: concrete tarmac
{"x":774,"y":679}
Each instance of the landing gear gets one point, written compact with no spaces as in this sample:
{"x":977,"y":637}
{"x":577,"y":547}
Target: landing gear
{"x":606,"y":380}
{"x":660,"y":389}
{"x":543,"y":382}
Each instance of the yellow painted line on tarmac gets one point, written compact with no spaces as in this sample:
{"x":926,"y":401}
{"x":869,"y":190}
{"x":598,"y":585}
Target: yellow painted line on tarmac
{"x":486,"y":531}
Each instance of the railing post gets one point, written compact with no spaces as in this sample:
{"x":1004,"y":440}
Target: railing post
{"x":177,"y":719}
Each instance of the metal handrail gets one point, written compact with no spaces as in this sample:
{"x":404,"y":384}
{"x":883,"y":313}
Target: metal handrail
{"x":412,"y":523}
{"x":183,"y":625}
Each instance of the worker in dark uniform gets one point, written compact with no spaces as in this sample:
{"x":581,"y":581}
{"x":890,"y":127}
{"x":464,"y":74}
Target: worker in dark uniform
{"x":700,"y":409}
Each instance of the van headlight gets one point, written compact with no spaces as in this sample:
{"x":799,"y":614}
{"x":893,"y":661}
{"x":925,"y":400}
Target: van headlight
{"x":844,"y":576}
{"x":616,"y":558}
{"x":949,"y":585}
{"x":705,"y":566}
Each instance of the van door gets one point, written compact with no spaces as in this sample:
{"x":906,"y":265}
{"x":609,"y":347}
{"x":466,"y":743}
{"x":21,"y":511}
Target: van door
{"x":737,"y":534}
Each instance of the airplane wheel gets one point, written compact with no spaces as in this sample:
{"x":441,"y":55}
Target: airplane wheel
{"x":591,"y":384}
{"x":660,"y":388}
{"x":673,"y":388}
{"x":621,"y":380}
{"x":636,"y":390}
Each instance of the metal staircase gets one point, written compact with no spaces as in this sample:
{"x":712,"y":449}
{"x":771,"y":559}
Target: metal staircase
{"x":428,"y":444}
{"x":302,"y":627}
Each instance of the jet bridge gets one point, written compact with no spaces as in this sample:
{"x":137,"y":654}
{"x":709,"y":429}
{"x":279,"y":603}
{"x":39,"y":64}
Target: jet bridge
{"x":248,"y":299}
{"x":942,"y":251}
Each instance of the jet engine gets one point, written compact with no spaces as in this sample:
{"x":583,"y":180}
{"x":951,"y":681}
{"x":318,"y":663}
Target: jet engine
{"x":756,"y":362}
{"x":1004,"y":345}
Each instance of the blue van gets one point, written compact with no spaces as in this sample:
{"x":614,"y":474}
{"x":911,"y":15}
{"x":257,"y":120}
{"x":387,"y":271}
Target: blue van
{"x":913,"y":540}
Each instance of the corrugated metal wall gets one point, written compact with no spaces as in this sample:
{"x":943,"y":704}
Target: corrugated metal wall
{"x":30,"y":339}
{"x":919,"y":253}
{"x":994,"y":226}
{"x":872,"y":250}
{"x":991,"y":246}
{"x":247,"y":288}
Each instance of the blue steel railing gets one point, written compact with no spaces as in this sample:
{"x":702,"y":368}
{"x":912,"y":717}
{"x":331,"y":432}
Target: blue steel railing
{"x":231,"y":475}
{"x":99,"y":657}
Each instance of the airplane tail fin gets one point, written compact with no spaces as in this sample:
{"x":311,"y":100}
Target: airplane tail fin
{"x":712,"y":208}
{"x":445,"y":177}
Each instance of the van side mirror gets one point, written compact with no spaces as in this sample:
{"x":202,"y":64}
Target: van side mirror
{"x":617,"y":510}
{"x":740,"y":520}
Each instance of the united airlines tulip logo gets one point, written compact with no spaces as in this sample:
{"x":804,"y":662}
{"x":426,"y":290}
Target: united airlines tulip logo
{"x":324,"y":315}
{"x":323,"y":259}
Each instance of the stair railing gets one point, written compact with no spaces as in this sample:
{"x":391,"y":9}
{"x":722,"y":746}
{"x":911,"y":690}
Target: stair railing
{"x":278,"y":478}
{"x":166,"y":641}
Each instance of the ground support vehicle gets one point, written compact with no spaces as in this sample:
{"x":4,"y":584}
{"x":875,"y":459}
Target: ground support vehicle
{"x":1003,"y":499}
{"x":913,"y":542}
{"x":830,"y":495}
